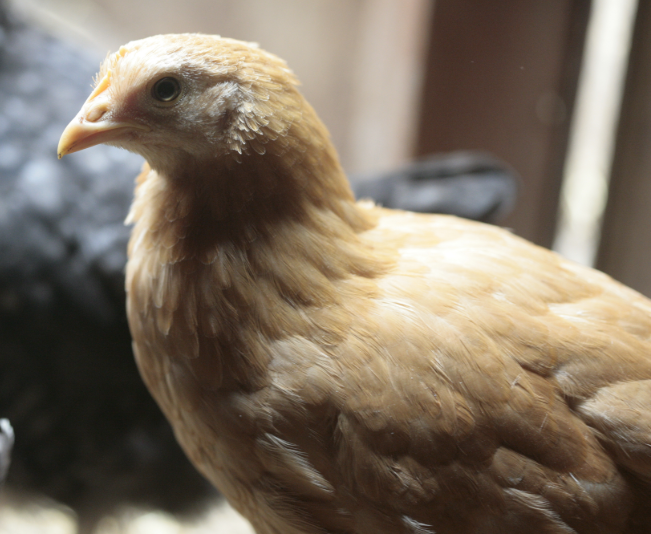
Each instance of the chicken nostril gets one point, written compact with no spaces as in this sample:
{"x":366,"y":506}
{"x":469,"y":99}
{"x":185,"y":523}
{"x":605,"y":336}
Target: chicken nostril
{"x":96,"y":113}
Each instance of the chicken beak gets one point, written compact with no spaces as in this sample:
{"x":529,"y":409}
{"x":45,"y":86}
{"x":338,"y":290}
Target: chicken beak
{"x":94,"y":124}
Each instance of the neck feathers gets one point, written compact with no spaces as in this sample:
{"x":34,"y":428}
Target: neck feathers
{"x":229,"y":257}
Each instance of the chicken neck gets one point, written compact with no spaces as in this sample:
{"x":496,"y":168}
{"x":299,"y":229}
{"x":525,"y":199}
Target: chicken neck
{"x":242,"y":235}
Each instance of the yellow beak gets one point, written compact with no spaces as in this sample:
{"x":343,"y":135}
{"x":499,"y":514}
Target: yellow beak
{"x":94,"y":124}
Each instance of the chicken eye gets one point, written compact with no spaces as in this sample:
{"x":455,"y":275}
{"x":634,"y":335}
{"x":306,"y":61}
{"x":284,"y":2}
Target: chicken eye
{"x":166,"y":89}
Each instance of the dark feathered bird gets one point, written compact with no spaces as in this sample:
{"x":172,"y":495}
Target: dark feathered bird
{"x":64,"y":343}
{"x":336,"y":367}
{"x":469,"y":184}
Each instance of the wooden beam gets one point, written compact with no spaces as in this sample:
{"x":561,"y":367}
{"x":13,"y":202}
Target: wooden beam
{"x":625,"y":249}
{"x":502,"y":76}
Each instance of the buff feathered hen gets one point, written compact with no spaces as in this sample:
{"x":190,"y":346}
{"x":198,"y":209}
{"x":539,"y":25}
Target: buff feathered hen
{"x":335,"y":367}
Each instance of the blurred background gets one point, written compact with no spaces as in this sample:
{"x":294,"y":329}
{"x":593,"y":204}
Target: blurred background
{"x":559,"y":90}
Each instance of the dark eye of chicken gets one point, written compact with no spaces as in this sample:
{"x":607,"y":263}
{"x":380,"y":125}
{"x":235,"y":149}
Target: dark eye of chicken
{"x":166,"y":89}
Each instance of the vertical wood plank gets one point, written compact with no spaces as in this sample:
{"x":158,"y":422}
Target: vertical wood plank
{"x":502,"y":76}
{"x":625,"y":248}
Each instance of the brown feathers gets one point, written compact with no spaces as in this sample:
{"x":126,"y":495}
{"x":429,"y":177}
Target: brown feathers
{"x":336,"y":367}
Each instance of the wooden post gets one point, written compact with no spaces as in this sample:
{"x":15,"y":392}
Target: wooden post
{"x":625,"y":249}
{"x":502,"y":76}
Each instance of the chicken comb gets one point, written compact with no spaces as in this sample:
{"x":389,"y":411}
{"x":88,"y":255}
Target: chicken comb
{"x":107,"y":65}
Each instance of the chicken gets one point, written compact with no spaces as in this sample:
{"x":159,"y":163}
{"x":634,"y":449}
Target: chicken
{"x":332,"y":366}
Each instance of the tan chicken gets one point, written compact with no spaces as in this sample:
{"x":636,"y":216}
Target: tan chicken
{"x":335,"y":367}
